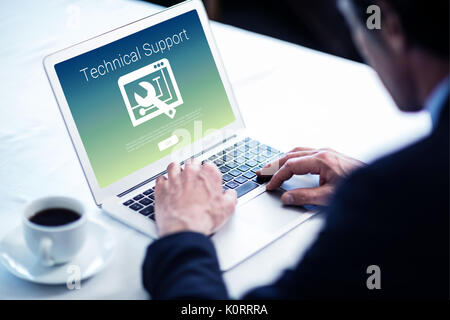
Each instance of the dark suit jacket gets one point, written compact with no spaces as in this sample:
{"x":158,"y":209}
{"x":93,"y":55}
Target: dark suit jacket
{"x":393,"y":214}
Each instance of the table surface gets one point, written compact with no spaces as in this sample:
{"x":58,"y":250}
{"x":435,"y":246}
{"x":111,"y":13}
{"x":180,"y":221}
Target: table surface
{"x":320,"y":101}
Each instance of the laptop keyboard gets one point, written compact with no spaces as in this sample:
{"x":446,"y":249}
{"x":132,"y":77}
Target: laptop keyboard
{"x":237,"y":163}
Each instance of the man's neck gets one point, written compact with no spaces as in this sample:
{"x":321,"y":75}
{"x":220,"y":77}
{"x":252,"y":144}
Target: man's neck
{"x":428,"y":72}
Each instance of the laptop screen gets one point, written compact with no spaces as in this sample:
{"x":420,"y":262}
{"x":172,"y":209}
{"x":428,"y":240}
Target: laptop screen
{"x":137,"y":99}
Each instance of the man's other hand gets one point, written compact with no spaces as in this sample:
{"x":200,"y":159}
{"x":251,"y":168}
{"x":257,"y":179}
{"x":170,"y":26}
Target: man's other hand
{"x":192,"y":199}
{"x":329,"y":164}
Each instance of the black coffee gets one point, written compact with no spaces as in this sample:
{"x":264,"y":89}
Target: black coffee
{"x":55,"y":217}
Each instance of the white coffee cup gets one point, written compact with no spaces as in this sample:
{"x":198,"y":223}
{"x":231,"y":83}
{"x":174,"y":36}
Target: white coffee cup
{"x":54,"y":244}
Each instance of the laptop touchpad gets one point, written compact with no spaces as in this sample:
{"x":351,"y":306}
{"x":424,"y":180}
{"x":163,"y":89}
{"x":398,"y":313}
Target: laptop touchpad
{"x":254,"y":225}
{"x":267,"y":213}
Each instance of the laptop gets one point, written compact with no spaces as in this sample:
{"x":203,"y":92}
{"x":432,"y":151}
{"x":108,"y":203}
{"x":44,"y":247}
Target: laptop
{"x":152,"y":92}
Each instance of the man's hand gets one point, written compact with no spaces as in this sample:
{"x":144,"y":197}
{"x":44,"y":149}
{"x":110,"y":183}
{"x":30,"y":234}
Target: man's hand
{"x":329,"y":164}
{"x":192,"y":199}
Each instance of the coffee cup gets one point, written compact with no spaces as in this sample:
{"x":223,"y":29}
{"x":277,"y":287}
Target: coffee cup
{"x":54,"y":228}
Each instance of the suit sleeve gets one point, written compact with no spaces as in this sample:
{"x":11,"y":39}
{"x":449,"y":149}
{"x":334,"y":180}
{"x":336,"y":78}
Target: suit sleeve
{"x":183,"y":266}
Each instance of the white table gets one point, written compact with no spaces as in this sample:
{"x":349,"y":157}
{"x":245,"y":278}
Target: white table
{"x":288,"y":96}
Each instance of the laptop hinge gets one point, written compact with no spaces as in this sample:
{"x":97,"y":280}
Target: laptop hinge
{"x":165,"y":171}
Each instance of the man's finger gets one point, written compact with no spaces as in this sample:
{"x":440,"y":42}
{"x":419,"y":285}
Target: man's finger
{"x":296,"y":149}
{"x":230,"y":199}
{"x":173,"y":170}
{"x":303,"y":165}
{"x":272,"y":167}
{"x":191,"y":165}
{"x":212,"y":172}
{"x":211,"y":167}
{"x":229,"y":205}
{"x":160,"y":183}
{"x":303,"y":196}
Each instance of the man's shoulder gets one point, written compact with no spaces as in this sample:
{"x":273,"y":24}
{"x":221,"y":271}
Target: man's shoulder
{"x":421,"y":162}
{"x":426,"y":159}
{"x":414,"y":178}
{"x":411,"y":161}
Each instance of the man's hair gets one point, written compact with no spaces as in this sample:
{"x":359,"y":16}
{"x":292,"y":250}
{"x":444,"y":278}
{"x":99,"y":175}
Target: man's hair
{"x":425,"y":23}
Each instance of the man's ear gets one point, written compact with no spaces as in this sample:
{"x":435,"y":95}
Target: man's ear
{"x":392,"y":31}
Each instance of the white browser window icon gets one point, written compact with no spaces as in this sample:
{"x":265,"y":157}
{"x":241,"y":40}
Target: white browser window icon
{"x":150,"y":91}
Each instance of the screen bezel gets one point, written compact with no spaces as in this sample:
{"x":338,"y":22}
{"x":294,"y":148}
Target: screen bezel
{"x":153,"y":169}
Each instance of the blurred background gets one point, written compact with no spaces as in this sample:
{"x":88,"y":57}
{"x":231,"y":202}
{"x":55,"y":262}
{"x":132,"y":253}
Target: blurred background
{"x":315,"y":24}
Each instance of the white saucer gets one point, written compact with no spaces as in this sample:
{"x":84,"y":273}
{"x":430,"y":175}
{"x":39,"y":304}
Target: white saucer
{"x":93,"y":257}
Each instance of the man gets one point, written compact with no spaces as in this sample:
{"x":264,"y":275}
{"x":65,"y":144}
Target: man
{"x":392,"y":215}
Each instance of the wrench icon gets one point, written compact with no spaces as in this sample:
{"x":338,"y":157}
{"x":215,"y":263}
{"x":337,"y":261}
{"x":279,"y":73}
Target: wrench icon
{"x":151,"y":99}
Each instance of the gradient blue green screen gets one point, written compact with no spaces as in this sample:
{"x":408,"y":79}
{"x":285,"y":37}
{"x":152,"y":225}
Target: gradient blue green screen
{"x":114,"y":146}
